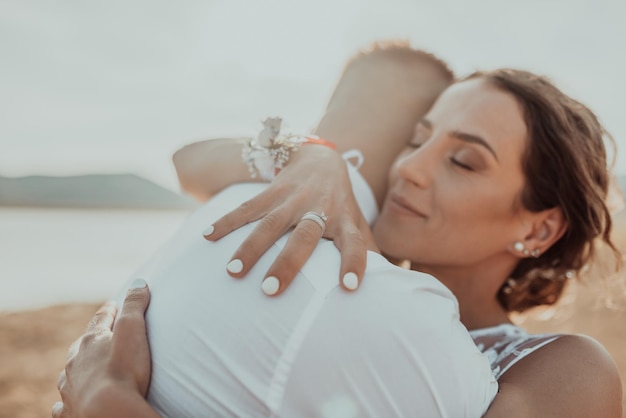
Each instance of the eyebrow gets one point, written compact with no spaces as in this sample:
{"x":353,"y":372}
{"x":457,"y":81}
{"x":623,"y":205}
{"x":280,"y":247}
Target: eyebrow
{"x":463,"y":136}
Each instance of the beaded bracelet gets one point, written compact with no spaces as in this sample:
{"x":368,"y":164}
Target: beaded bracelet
{"x":268,"y":153}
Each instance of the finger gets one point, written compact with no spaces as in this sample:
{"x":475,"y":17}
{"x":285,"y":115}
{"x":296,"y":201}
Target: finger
{"x":130,"y":353}
{"x":248,"y":211}
{"x":136,"y":301}
{"x":131,"y":321}
{"x":103,"y":319}
{"x":61,"y":380}
{"x":297,"y":251}
{"x":273,"y":226}
{"x":57,"y":410}
{"x":353,"y":248}
{"x":71,"y":352}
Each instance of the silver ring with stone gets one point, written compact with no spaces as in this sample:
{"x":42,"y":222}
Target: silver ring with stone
{"x":318,"y":218}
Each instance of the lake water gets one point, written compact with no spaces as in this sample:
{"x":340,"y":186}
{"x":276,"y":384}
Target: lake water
{"x":50,"y":256}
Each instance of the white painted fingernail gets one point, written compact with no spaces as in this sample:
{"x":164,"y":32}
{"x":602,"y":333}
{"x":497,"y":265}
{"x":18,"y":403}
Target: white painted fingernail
{"x":270,"y":285}
{"x":208,"y":231}
{"x":138,"y":284}
{"x":235,"y":266}
{"x":57,"y":408}
{"x":350,"y":281}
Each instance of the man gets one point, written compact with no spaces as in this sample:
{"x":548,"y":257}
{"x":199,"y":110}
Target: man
{"x":221,"y":347}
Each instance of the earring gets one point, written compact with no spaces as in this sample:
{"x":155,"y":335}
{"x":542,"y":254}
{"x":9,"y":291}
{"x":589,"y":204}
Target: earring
{"x":519,"y":247}
{"x":535,"y":253}
{"x":508,"y":286}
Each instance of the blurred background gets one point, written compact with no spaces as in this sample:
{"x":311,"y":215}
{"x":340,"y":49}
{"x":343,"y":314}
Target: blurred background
{"x":96,"y":96}
{"x":116,"y":87}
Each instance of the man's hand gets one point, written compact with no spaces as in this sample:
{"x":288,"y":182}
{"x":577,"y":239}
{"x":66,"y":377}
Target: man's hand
{"x":103,"y":363}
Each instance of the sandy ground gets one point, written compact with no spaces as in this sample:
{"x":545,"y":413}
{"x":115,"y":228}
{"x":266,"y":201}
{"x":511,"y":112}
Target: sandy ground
{"x":33,"y":344}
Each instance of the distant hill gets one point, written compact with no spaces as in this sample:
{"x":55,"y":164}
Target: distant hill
{"x":94,"y":191}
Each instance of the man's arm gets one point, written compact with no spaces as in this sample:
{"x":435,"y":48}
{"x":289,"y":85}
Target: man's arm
{"x":120,"y":403}
{"x":206,"y":167}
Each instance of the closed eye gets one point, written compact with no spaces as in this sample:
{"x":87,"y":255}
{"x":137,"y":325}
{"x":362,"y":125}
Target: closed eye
{"x":460,"y":164}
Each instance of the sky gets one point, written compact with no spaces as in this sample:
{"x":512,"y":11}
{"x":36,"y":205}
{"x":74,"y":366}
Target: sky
{"x":118,"y":86}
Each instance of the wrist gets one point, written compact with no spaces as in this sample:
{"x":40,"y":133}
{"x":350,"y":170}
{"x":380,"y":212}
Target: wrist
{"x":312,"y":158}
{"x":316,"y":140}
{"x":115,"y":399}
{"x":313,"y":151}
{"x":269,"y":152}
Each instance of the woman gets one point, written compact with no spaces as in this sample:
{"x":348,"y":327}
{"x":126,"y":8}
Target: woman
{"x":500,"y":195}
{"x":468,"y":204}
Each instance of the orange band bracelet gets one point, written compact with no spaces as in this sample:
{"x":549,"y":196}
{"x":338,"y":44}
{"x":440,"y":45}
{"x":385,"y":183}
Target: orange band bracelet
{"x":266,"y":154}
{"x":319,"y":141}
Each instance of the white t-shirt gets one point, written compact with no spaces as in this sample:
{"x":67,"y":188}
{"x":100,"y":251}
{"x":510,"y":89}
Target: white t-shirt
{"x":221,"y":347}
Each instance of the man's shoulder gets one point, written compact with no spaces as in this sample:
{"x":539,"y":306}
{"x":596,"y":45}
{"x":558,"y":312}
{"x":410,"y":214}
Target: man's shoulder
{"x":382,"y":274}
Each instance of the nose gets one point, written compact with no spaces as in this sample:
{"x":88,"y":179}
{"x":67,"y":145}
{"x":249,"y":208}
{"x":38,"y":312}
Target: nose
{"x":418,"y":166}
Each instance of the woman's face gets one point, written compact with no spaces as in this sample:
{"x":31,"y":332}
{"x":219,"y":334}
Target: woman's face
{"x":453,"y":193}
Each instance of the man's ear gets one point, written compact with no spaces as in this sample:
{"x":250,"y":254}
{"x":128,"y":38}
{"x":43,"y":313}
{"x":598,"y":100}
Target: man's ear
{"x":548,"y":227}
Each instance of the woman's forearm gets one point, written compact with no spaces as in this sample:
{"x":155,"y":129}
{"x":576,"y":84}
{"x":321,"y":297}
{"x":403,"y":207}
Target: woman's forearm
{"x":376,"y":104}
{"x":206,"y":167}
{"x":374,"y":107}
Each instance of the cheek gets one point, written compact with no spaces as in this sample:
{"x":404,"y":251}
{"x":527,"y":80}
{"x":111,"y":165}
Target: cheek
{"x":471,"y":216}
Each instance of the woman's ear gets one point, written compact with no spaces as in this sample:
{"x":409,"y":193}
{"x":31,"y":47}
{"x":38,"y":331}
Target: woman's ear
{"x":548,"y":226}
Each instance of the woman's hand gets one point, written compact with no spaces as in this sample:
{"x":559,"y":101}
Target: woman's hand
{"x":315,"y":180}
{"x":108,"y":373}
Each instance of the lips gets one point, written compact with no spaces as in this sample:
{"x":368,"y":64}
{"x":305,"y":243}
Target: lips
{"x":403,"y":205}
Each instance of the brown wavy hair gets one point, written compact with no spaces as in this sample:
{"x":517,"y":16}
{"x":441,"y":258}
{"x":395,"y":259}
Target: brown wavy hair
{"x":565,"y":165}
